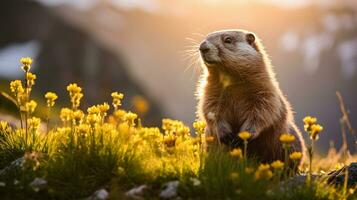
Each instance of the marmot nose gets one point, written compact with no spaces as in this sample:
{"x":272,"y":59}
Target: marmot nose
{"x":204,"y":47}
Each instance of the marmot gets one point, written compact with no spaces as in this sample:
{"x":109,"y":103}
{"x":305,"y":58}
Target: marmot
{"x":238,"y":92}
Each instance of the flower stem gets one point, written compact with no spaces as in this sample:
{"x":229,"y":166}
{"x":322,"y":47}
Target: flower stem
{"x":286,"y":159}
{"x":245,"y":151}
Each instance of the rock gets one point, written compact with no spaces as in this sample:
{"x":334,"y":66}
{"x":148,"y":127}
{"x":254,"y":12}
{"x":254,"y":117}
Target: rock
{"x":195,"y":181}
{"x":170,"y":190}
{"x":296,"y":180}
{"x":38,"y":184}
{"x":101,"y":194}
{"x":13,"y":168}
{"x":338,"y":176}
{"x":136,"y":192}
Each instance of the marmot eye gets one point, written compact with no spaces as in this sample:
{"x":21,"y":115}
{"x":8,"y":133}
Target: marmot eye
{"x":228,"y":40}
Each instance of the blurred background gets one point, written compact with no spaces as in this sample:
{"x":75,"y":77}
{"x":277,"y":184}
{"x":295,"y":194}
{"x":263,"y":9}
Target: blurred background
{"x":138,"y":47}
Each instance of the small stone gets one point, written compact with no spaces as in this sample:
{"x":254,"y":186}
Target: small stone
{"x":338,"y":176}
{"x":195,"y":181}
{"x":2,"y":184}
{"x":38,"y":184}
{"x":136,"y":192}
{"x":101,"y":194}
{"x":170,"y":190}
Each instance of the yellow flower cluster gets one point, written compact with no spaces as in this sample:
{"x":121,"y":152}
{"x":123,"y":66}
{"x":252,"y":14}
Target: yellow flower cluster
{"x":30,"y":106}
{"x":16,"y":87}
{"x":22,"y":93}
{"x":66,"y":114}
{"x":51,"y":98}
{"x":5,"y":127}
{"x":27,"y":61}
{"x":312,"y":128}
{"x":97,"y":113}
{"x":308,"y":120}
{"x":119,"y":115}
{"x":263,"y":172}
{"x":103,"y":108}
{"x":117,"y":97}
{"x":30,"y":78}
{"x":199,"y":126}
{"x":77,"y":116}
{"x":171,"y":126}
{"x":93,"y":119}
{"x":75,"y":93}
{"x":130,"y":118}
{"x":34,"y":123}
{"x":19,"y":92}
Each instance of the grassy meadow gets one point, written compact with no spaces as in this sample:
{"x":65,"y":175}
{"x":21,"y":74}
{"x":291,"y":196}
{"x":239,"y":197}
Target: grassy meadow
{"x":104,"y":152}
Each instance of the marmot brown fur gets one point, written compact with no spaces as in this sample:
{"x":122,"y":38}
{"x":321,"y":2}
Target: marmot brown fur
{"x":238,"y":92}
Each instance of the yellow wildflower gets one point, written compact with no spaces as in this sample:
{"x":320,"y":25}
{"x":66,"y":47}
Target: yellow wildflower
{"x":76,"y":100}
{"x":119,"y":115}
{"x":31,"y":106}
{"x":34,"y":123}
{"x":92,"y":119}
{"x":278,"y":165}
{"x":22,"y":100}
{"x":73,"y":88}
{"x":4,"y":127}
{"x":245,"y":135}
{"x":26,"y":61}
{"x":78,"y":115}
{"x":234,"y":176}
{"x":263,"y":172}
{"x":51,"y":98}
{"x":103,"y":108}
{"x":30,"y":77}
{"x":287,"y":138}
{"x":351,"y":191}
{"x":124,"y":128}
{"x":83,"y":129}
{"x":263,"y":167}
{"x":248,"y":170}
{"x":309,"y":120}
{"x":183,"y":131}
{"x":295,"y":155}
{"x":130,"y":118}
{"x":314,"y":131}
{"x":93,"y":110}
{"x":237,"y":152}
{"x":171,"y":126}
{"x":117,"y":97}
{"x":199,"y":126}
{"x":196,"y":140}
{"x":66,"y":114}
{"x":140,"y":104}
{"x":16,"y":87}
{"x":170,"y":140}
{"x":75,"y":94}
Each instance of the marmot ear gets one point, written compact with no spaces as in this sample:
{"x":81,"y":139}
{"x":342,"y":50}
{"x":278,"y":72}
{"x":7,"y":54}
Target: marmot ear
{"x":250,"y":38}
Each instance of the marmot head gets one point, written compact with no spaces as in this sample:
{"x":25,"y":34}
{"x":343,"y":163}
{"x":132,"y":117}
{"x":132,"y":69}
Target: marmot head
{"x":232,"y":50}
